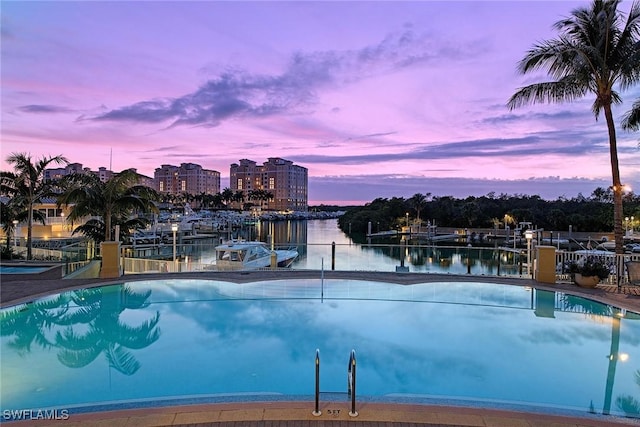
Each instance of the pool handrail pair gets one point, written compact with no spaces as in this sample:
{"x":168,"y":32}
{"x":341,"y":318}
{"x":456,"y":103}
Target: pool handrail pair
{"x":351,"y":384}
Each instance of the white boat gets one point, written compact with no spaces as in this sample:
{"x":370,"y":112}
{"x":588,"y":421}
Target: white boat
{"x":239,"y":255}
{"x":145,"y":237}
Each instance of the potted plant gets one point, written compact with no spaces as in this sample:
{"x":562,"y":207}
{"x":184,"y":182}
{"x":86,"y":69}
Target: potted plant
{"x":589,"y":271}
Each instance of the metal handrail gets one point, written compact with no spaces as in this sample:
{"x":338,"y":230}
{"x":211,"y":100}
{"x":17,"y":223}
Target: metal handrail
{"x":351,"y":383}
{"x":316,"y":412}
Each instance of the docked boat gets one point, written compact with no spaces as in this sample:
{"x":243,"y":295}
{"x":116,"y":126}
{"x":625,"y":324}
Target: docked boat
{"x":242,"y":255}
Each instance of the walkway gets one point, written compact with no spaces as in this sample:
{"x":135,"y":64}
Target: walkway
{"x":298,"y":414}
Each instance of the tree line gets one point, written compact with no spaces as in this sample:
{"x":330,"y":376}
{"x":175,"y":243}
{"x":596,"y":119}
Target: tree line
{"x":592,"y":214}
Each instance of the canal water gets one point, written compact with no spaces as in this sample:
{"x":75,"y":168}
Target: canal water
{"x":322,"y":245}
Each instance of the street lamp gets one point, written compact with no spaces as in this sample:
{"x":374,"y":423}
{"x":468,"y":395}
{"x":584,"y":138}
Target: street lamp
{"x":528,"y":235}
{"x":174,"y":228}
{"x":15,"y":232}
{"x":407,"y":215}
{"x":626,"y":225}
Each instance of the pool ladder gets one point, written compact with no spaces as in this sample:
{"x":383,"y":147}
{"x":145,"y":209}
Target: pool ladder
{"x":351,"y":384}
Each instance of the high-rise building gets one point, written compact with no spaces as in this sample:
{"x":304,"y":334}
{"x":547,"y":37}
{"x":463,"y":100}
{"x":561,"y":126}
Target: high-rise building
{"x":54,"y":174}
{"x":103,"y":173}
{"x":287,"y":182}
{"x":186,"y":178}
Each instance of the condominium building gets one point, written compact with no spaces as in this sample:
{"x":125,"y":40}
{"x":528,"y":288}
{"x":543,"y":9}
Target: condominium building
{"x":286,"y":181}
{"x":186,"y":178}
{"x":103,"y":173}
{"x":54,"y":174}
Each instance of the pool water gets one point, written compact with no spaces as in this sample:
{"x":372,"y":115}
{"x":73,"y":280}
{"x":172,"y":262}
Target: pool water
{"x":15,"y":269}
{"x":174,"y":339}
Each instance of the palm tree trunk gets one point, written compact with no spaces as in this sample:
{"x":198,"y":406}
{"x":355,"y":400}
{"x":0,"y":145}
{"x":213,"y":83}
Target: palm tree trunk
{"x":617,"y":185}
{"x":29,"y":230}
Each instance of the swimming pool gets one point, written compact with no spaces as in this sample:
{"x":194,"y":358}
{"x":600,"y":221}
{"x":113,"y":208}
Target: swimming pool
{"x":180,"y":341}
{"x":22,"y":269}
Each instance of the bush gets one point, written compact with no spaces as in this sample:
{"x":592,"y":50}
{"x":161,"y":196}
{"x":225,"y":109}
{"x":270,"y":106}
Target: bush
{"x":7,"y":253}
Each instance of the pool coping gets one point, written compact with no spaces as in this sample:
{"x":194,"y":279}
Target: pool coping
{"x":332,"y":413}
{"x":29,"y":288}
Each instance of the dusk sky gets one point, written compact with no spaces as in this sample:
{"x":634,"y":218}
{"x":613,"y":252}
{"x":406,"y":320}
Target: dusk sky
{"x":376,"y":99}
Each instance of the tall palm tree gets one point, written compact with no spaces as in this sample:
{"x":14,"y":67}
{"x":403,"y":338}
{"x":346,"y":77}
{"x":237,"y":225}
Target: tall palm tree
{"x":113,"y":201}
{"x":595,"y":52}
{"x":28,"y":186}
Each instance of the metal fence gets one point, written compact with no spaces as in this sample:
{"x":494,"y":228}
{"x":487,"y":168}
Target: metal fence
{"x":502,"y":262}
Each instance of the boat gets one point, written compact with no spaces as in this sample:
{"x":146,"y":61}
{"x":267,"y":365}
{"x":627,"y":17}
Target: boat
{"x":243,"y":255}
{"x":145,"y":237}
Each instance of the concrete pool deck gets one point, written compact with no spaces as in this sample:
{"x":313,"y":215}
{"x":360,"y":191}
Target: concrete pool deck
{"x":334,"y":414}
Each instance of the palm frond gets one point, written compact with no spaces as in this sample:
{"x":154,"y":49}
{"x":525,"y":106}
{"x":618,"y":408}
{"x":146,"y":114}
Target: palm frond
{"x":631,"y":120}
{"x":122,"y":360}
{"x":547,"y":92}
{"x":78,"y":358}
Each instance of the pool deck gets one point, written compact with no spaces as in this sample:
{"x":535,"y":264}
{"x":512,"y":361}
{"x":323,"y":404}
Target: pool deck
{"x":16,"y":290}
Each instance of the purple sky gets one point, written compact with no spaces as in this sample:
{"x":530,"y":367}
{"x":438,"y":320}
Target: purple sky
{"x":376,"y":99}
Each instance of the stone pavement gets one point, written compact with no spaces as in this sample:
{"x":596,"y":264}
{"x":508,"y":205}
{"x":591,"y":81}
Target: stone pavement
{"x":15,"y":290}
{"x":299,"y":414}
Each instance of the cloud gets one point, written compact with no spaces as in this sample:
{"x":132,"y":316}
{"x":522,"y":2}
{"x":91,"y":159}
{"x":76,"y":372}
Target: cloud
{"x":44,"y":109}
{"x":559,"y":115}
{"x":238,"y":93}
{"x":540,"y":144}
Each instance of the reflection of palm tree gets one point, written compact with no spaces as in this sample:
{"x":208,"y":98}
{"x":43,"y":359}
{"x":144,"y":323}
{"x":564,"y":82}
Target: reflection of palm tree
{"x":106,"y":333}
{"x":28,"y":323}
{"x":613,"y":360}
{"x":98,"y":311}
{"x":629,"y":404}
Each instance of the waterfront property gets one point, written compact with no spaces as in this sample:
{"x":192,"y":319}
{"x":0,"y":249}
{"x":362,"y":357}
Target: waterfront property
{"x":432,"y":343}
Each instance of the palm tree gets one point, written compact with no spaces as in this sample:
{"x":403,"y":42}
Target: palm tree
{"x":113,"y":201}
{"x":419,"y":202}
{"x":12,"y":211}
{"x":28,"y":186}
{"x":227,"y":196}
{"x":631,"y":120}
{"x":595,"y":51}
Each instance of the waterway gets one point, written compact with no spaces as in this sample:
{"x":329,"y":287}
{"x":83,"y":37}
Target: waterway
{"x":322,"y":245}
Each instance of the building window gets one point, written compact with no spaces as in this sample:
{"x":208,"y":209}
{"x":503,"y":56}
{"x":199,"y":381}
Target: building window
{"x":272,"y":183}
{"x":161,"y":185}
{"x":183,"y":185}
{"x":239,"y":183}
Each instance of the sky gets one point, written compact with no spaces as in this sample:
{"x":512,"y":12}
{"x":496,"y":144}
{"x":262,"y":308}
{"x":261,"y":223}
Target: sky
{"x":375,"y":99}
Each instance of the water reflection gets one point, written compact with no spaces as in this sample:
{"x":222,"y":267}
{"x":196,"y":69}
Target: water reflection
{"x":478,"y":341}
{"x":320,"y":243}
{"x":81,"y":325}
